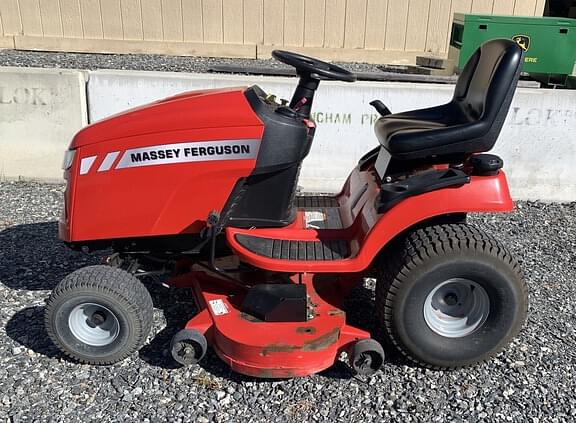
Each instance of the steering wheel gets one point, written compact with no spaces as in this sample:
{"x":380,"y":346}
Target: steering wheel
{"x":308,"y":66}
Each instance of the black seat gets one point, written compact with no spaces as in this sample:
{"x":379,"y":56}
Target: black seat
{"x":471,"y":122}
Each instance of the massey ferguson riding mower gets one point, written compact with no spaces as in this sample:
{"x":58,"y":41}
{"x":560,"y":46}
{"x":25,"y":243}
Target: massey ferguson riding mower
{"x":202,"y":188}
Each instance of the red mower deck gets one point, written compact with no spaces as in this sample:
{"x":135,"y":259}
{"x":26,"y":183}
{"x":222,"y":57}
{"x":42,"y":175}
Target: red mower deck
{"x":291,"y":349}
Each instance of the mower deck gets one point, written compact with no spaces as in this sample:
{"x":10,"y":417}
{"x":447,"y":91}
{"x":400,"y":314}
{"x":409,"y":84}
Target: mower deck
{"x":250,"y":345}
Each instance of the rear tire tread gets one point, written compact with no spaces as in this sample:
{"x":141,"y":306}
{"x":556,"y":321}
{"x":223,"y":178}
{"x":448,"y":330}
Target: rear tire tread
{"x":412,"y":249}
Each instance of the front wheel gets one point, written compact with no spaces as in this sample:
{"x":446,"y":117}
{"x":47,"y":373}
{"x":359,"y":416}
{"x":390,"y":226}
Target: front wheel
{"x":99,"y":315}
{"x":449,"y":296}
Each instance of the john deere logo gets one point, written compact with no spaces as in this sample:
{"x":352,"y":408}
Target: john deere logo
{"x":523,"y":41}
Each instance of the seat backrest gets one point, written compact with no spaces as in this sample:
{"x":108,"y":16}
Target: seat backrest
{"x":487,"y":83}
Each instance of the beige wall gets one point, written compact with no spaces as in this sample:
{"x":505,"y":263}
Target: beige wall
{"x":355,"y":30}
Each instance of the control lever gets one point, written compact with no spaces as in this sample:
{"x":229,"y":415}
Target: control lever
{"x":380,"y":108}
{"x":301,"y":103}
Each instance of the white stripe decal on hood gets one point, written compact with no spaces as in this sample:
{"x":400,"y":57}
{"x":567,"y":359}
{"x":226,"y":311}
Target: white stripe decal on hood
{"x":108,"y":161}
{"x":86,"y":163}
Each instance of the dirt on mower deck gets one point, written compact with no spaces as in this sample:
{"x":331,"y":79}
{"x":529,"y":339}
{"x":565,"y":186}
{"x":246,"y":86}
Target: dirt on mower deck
{"x":533,"y":380}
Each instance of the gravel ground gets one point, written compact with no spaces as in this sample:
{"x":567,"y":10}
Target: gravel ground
{"x":532,"y":381}
{"x":147,"y":62}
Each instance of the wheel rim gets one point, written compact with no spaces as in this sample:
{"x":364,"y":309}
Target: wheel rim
{"x":368,"y":362}
{"x":456,"y":308}
{"x":93,"y":324}
{"x":188,"y":351}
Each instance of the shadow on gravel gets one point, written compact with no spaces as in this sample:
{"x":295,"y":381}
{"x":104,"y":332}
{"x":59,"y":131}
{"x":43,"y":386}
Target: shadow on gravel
{"x":178,"y":307}
{"x":361,"y":312}
{"x":32,"y":257}
{"x":26,"y":327}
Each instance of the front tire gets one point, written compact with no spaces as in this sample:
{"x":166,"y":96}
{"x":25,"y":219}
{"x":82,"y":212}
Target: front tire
{"x":99,"y":315}
{"x":449,"y":296}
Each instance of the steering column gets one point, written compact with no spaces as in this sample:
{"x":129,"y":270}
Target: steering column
{"x":311,"y":71}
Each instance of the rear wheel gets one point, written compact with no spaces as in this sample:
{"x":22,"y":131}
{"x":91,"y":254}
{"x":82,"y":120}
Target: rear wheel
{"x":449,"y":296}
{"x":99,"y":315}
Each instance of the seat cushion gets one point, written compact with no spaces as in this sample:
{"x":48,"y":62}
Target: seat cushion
{"x":471,"y":122}
{"x":409,"y":137}
{"x":389,"y":126}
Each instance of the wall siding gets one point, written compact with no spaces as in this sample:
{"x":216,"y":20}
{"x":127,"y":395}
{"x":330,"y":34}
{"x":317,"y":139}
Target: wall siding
{"x":30,"y":14}
{"x":439,"y":19}
{"x":91,"y":18}
{"x":376,"y":17}
{"x":10,"y":14}
{"x":111,"y":19}
{"x":417,"y":21}
{"x":371,"y":30}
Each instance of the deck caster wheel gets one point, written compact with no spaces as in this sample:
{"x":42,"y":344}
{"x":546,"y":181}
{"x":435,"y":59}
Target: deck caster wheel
{"x":99,"y":315}
{"x":188,"y":347}
{"x":366,"y":357}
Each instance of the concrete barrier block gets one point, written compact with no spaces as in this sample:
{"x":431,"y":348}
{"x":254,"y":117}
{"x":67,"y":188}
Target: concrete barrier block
{"x":538,"y":145}
{"x":40,"y":110}
{"x":537,"y":142}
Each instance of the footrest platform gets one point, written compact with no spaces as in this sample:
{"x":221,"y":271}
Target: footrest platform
{"x":295,"y":250}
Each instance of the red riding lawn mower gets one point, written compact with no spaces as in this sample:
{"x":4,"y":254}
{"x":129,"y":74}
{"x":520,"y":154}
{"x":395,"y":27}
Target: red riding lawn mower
{"x":202,"y":187}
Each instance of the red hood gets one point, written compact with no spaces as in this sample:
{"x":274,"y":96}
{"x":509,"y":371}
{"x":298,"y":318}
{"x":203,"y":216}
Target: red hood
{"x":191,"y":110}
